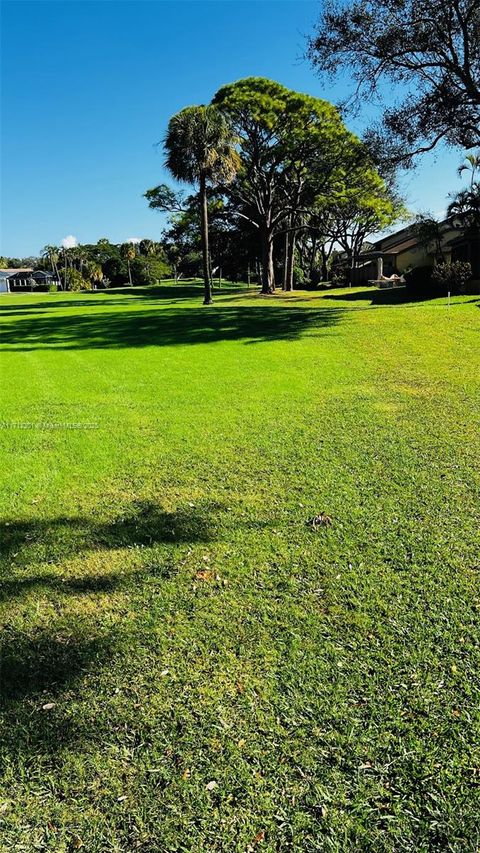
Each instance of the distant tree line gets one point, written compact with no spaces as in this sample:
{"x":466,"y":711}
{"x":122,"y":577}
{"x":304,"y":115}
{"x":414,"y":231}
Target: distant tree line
{"x":101,"y":264}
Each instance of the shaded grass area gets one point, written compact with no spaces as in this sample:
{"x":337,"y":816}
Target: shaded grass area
{"x":162,"y":327}
{"x":185,"y":664}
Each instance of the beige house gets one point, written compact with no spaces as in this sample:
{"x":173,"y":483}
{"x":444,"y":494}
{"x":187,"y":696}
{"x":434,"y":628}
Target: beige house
{"x":399,"y":252}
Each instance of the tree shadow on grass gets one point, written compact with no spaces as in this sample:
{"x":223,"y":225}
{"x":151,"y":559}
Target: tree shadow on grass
{"x":47,"y":660}
{"x":46,"y":664}
{"x":167,"y":326}
{"x":390,"y":296}
{"x":45,"y":667}
{"x":145,"y":524}
{"x":387,"y":296}
{"x":102,"y":298}
{"x":89,"y":584}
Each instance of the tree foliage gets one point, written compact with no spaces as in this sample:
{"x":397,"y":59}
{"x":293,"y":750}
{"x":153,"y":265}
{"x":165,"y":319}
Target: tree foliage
{"x":452,"y":276}
{"x":199,"y":148}
{"x":430,"y":48}
{"x":358,"y":205}
{"x":290,"y":147}
{"x":74,"y":280}
{"x":464,"y":209}
{"x":430,"y":235}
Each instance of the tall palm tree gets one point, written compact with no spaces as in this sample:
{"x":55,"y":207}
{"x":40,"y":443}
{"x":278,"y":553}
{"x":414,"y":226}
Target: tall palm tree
{"x":147,"y":247}
{"x":199,"y":147}
{"x":472,"y":165}
{"x":128,"y":253}
{"x":52,"y":254}
{"x":93,"y":271}
{"x":464,"y":209}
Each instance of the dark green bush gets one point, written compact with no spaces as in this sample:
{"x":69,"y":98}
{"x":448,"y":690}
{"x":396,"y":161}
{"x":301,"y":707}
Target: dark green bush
{"x":452,"y":276}
{"x":419,"y":281}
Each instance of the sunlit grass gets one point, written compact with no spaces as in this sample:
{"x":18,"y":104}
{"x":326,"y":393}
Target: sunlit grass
{"x":165,"y":599}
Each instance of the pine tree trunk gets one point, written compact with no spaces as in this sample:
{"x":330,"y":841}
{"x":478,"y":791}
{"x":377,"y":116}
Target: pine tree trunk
{"x":285,"y":260}
{"x":205,"y":249}
{"x":268,"y":273}
{"x":312,"y":259}
{"x":291,"y":257}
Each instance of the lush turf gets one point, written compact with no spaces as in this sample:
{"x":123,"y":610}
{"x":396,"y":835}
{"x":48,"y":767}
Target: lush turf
{"x":216,"y":676}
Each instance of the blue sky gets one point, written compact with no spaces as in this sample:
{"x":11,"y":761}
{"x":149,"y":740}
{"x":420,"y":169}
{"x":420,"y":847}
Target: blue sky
{"x":88,"y":88}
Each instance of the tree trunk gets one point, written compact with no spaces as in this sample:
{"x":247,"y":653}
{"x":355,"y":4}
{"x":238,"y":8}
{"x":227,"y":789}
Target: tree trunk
{"x":129,"y":272}
{"x":56,"y":273}
{"x":312,"y":258}
{"x":205,"y":249}
{"x":268,"y":273}
{"x":291,"y":258}
{"x":285,"y":260}
{"x":324,"y":264}
{"x":353,"y":264}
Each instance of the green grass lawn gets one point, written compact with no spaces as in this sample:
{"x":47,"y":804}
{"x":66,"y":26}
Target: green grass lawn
{"x":185,"y":664}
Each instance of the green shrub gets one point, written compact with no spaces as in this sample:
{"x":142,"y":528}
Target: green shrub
{"x":419,"y":281}
{"x":298,"y":275}
{"x":339,"y":278}
{"x":76,"y":282}
{"x":452,"y":276}
{"x":52,"y":288}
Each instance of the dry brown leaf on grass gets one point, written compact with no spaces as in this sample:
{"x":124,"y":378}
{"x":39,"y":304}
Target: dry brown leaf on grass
{"x":204,"y":575}
{"x":319,"y":520}
{"x":260,"y":836}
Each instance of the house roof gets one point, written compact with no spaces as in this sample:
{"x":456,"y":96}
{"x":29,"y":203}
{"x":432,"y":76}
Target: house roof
{"x":398,"y":248}
{"x":20,"y":274}
{"x":15,"y":270}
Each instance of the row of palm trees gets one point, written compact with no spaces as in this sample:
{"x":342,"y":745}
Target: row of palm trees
{"x":62,"y":260}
